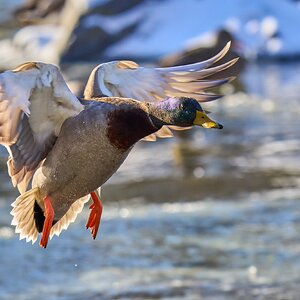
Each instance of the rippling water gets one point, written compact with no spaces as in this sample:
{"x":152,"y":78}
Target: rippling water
{"x":243,"y":248}
{"x":215,"y":215}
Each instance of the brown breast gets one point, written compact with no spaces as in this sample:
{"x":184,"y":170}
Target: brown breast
{"x":128,"y":123}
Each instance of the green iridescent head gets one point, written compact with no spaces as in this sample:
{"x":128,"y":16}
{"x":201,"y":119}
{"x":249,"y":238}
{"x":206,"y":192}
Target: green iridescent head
{"x":185,"y":112}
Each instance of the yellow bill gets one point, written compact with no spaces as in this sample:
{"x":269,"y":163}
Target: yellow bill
{"x":203,"y":120}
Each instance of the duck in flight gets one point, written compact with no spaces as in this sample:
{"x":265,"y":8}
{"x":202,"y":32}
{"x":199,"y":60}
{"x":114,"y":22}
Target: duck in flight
{"x":63,"y":149}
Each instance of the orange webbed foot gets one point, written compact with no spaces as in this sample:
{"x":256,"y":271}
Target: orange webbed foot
{"x":95,"y":215}
{"x":49,"y":216}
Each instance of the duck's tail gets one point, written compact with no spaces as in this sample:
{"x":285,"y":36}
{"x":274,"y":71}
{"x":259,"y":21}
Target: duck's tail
{"x":28,"y":216}
{"x":23,"y":215}
{"x":69,"y":217}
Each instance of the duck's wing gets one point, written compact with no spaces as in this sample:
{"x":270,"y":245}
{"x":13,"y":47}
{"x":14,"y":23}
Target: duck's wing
{"x":34,"y":103}
{"x":127,"y":79}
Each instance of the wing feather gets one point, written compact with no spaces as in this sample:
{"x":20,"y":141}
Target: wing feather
{"x":34,"y":103}
{"x":200,"y":65}
{"x":127,"y":79}
{"x":197,"y":75}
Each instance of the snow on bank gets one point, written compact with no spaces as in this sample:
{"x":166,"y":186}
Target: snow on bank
{"x":264,"y":27}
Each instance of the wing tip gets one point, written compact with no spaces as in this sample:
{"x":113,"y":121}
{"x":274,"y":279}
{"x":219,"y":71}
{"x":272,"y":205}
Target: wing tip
{"x":228,"y":45}
{"x":221,"y":54}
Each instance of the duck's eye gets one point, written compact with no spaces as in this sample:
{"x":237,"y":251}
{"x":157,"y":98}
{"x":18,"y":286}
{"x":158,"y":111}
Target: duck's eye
{"x":182,"y":106}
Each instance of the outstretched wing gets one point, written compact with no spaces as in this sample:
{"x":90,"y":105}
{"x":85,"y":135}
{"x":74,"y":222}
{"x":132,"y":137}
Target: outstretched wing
{"x":34,"y":103}
{"x":128,"y":79}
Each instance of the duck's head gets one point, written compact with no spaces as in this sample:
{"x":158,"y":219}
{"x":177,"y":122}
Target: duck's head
{"x":184,"y":112}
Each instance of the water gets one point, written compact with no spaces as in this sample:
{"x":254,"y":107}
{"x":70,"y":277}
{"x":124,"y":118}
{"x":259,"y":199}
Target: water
{"x":213,"y":216}
{"x":215,"y":249}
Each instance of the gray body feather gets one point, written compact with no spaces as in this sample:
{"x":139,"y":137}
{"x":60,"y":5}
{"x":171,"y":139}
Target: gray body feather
{"x":81,"y":160}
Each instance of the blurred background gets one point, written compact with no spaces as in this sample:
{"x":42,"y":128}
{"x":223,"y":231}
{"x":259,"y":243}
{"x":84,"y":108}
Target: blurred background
{"x":205,"y":215}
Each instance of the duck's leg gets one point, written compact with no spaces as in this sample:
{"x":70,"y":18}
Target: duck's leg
{"x":95,"y":215}
{"x":49,"y":216}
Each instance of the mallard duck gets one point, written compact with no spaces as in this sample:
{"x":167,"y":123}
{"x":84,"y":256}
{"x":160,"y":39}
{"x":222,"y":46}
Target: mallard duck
{"x":66,"y":148}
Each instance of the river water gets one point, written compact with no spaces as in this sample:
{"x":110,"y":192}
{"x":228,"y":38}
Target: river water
{"x":212,"y":216}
